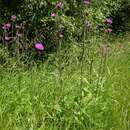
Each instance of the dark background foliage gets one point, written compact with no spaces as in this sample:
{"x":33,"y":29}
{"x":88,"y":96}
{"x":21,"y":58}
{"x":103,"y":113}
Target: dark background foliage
{"x":40,"y":26}
{"x":121,"y":19}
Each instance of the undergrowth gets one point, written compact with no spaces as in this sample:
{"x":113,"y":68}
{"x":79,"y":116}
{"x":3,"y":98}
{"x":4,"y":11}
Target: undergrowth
{"x":58,"y":95}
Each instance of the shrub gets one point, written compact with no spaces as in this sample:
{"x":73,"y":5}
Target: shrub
{"x":50,"y":22}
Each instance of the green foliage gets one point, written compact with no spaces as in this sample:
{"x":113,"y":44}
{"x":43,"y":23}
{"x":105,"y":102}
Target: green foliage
{"x":37,"y":99}
{"x":82,"y":85}
{"x":70,"y":20}
{"x":104,"y":8}
{"x":121,"y":19}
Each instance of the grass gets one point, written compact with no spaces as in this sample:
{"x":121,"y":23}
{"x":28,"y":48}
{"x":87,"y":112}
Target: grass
{"x":56,"y":96}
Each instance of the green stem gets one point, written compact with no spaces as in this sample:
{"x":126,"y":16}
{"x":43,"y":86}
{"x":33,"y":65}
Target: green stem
{"x":82,"y":56}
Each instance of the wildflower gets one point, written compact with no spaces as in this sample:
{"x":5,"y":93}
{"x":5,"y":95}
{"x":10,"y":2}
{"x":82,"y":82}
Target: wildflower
{"x":39,"y":46}
{"x":7,"y":26}
{"x":53,"y":14}
{"x":60,"y":5}
{"x":13,"y":17}
{"x":109,"y":30}
{"x":87,"y":2}
{"x":109,"y":21}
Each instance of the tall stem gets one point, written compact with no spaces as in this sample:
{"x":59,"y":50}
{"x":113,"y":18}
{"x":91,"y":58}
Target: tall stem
{"x":82,"y":55}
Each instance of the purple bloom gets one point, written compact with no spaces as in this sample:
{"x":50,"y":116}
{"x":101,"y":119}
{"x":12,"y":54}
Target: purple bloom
{"x":53,"y":14}
{"x":7,"y":26}
{"x":87,"y":2}
{"x":13,"y":17}
{"x":39,"y":46}
{"x":60,"y":5}
{"x":109,"y":30}
{"x":109,"y":21}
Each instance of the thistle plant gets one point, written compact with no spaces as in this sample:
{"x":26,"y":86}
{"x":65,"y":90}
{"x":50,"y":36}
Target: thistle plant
{"x":84,"y":44}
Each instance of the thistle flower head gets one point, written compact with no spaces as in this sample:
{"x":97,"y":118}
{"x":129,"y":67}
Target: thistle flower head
{"x":60,"y":5}
{"x":13,"y":17}
{"x":87,"y":2}
{"x":109,"y":30}
{"x":7,"y":26}
{"x":53,"y":14}
{"x":39,"y":46}
{"x":109,"y":21}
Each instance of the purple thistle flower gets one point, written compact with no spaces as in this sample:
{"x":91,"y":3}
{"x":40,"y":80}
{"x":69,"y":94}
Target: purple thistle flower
{"x":53,"y":14}
{"x":60,"y":5}
{"x":7,"y":26}
{"x":87,"y":2}
{"x":109,"y":30}
{"x":109,"y":21}
{"x":39,"y":46}
{"x":13,"y":17}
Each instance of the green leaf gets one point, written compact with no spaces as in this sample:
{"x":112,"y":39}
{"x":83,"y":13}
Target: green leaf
{"x":53,"y":1}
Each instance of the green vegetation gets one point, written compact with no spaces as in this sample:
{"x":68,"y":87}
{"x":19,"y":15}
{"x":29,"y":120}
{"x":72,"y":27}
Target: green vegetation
{"x":52,"y":98}
{"x":62,"y":67}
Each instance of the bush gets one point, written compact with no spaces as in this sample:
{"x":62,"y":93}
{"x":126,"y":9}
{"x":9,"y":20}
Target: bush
{"x":41,"y":26}
{"x":47,"y":22}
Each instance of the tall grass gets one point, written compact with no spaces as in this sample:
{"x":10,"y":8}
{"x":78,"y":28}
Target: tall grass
{"x":64,"y":94}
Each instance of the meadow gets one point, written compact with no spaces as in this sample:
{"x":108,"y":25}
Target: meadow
{"x":72,"y":85}
{"x":49,"y":97}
